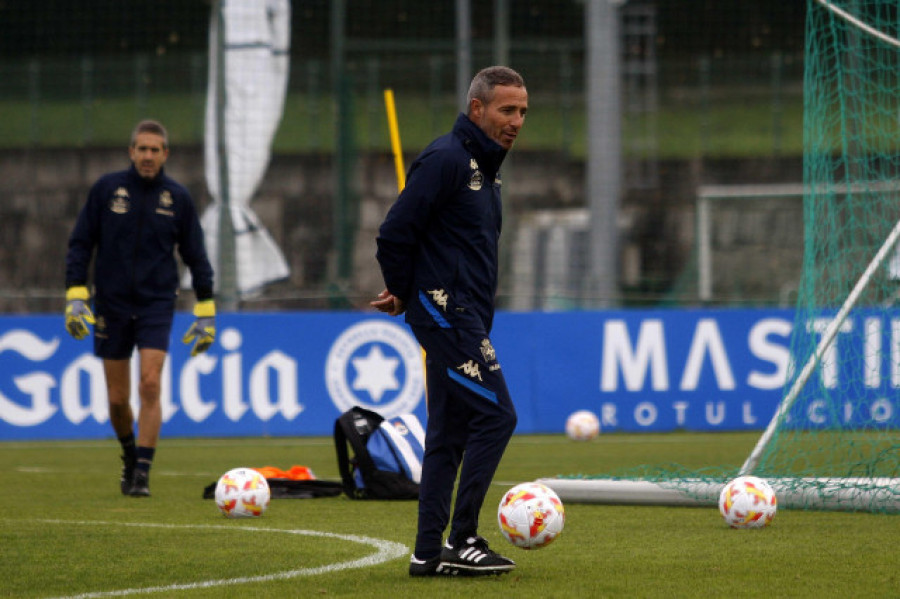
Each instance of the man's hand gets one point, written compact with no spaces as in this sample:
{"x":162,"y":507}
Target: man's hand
{"x":78,"y":313}
{"x":203,"y":329}
{"x":388,"y":303}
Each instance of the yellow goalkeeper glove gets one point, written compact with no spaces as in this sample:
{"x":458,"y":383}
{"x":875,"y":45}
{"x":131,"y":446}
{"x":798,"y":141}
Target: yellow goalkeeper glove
{"x":78,"y":313}
{"x":203,"y":329}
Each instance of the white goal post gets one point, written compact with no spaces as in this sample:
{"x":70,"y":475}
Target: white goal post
{"x":850,"y":194}
{"x":707,"y":196}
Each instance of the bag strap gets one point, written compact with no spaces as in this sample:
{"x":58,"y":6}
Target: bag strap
{"x":346,"y":430}
{"x":344,"y":468}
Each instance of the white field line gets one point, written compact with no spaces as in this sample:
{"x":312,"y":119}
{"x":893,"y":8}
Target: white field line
{"x":385,"y":551}
{"x":176,"y":442}
{"x":156,"y":472}
{"x":636,"y":437}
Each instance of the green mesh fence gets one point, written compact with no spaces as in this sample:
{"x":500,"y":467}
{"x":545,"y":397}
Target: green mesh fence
{"x":851,"y":210}
{"x":834,"y":442}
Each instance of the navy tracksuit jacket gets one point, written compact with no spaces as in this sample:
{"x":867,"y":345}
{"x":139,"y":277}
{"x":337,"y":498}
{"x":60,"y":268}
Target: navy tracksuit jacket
{"x":135,"y":225}
{"x":438,"y":251}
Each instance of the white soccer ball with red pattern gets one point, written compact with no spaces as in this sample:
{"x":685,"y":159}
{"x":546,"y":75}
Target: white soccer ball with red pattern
{"x":242,"y":493}
{"x":748,"y":502}
{"x":531,"y":515}
{"x":582,"y":425}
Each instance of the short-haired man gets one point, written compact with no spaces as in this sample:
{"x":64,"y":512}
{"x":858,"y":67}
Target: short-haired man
{"x":438,"y":252}
{"x":131,"y":224}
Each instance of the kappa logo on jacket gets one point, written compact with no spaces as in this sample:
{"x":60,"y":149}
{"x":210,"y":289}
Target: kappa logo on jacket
{"x":471,"y":369}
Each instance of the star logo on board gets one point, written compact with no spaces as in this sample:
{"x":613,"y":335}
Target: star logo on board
{"x":376,"y":373}
{"x":375,"y":364}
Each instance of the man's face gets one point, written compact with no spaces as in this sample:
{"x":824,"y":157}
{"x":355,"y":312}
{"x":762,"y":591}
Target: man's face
{"x":503,"y":116}
{"x":148,"y":153}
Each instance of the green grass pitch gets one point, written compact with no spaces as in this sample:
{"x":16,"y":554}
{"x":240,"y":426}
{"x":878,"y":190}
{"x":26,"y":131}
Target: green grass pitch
{"x":66,"y":531}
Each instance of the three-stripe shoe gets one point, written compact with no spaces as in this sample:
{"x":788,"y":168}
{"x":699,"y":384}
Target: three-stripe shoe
{"x":473,"y":558}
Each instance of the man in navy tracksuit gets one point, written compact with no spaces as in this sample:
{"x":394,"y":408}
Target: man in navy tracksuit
{"x":438,"y":251}
{"x":131,"y":224}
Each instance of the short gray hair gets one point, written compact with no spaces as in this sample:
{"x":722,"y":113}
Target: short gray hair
{"x":484,"y":82}
{"x":150,"y":126}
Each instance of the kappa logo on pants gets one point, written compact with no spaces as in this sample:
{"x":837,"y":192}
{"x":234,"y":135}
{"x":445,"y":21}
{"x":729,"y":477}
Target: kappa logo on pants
{"x":471,"y":369}
{"x":440,"y":297}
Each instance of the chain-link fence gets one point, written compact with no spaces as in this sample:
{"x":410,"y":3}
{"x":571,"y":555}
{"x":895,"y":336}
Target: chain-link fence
{"x":711,"y":93}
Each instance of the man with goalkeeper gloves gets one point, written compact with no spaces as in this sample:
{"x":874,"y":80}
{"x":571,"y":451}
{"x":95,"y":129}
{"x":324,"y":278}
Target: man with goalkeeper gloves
{"x":130,"y":225}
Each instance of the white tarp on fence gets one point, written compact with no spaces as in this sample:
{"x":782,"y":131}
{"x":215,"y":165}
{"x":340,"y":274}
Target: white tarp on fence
{"x":256,"y":61}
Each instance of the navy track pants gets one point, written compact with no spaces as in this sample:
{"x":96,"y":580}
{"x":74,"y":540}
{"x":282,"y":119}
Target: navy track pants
{"x":470,"y":421}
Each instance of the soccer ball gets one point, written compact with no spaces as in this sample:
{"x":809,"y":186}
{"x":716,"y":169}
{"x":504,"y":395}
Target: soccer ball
{"x":582,"y":425}
{"x":242,"y":493}
{"x":748,"y":502}
{"x":531,"y":515}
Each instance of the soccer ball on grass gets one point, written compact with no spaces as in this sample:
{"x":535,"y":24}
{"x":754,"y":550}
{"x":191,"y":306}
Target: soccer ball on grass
{"x":242,"y":493}
{"x":531,"y":515}
{"x":748,"y":502}
{"x":582,"y":425}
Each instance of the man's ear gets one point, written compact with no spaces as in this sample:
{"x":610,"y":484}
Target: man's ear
{"x":476,"y":108}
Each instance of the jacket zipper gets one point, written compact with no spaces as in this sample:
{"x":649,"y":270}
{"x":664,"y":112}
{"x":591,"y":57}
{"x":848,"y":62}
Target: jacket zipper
{"x":137,"y":245}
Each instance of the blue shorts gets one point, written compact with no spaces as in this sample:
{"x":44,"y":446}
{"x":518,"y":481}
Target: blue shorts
{"x":116,"y":335}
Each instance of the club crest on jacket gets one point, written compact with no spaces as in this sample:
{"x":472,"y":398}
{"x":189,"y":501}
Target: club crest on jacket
{"x":120,"y":203}
{"x":477,"y":179}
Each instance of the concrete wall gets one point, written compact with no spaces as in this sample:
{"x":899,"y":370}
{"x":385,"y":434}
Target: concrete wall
{"x":43,"y":190}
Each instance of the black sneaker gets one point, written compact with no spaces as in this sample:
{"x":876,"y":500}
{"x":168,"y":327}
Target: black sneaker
{"x":125,"y":481}
{"x":424,"y":567}
{"x":473,"y":558}
{"x":140,"y":487}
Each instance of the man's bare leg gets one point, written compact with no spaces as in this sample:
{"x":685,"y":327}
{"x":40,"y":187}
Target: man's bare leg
{"x":118,"y":392}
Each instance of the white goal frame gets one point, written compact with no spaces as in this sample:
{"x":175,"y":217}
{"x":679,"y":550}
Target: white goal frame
{"x":872,"y":494}
{"x":707,"y":195}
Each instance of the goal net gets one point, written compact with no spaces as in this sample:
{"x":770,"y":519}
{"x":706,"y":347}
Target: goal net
{"x":834,"y":442}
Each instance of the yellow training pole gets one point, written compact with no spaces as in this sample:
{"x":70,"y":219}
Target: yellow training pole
{"x":395,"y":138}
{"x":397,"y":150}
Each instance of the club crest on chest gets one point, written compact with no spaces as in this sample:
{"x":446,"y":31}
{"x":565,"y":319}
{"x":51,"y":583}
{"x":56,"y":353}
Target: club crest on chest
{"x":120,"y":202}
{"x":476,"y":180}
